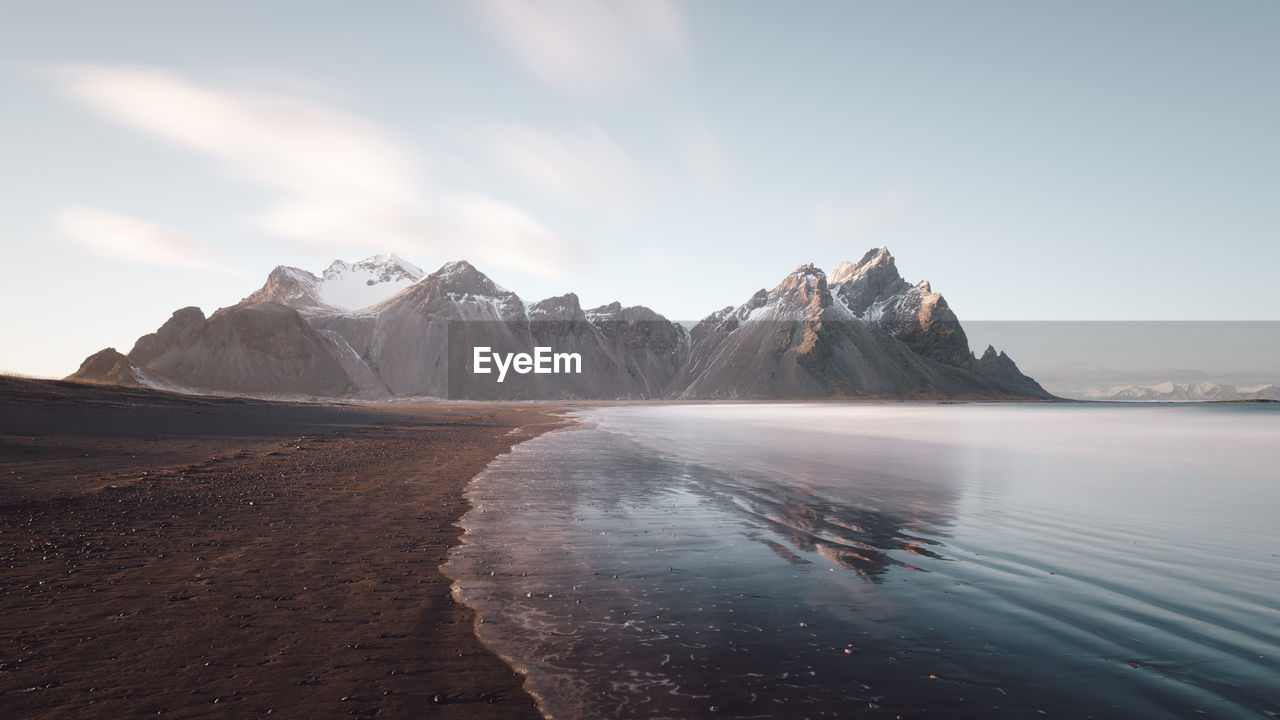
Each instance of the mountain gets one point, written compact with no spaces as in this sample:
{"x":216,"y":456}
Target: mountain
{"x":1000,"y":369}
{"x":407,"y":338}
{"x":867,"y":334}
{"x":404,"y":339}
{"x":874,"y":292}
{"x":1182,"y":392}
{"x":247,"y":349}
{"x":380,"y":328}
{"x":342,"y":286}
{"x":110,"y":366}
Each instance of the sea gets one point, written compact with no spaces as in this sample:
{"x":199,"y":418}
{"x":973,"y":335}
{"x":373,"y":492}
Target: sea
{"x":824,"y":560}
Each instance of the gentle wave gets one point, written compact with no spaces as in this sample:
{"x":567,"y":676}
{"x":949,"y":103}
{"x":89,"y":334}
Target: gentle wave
{"x":799,"y":560}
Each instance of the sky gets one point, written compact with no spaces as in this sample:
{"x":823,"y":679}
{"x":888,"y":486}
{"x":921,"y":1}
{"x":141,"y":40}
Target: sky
{"x":1036,"y":161}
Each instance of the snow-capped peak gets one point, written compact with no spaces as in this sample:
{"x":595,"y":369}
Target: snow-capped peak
{"x":809,"y":269}
{"x":342,"y":286}
{"x":386,"y":266}
{"x":842,"y":272}
{"x":846,"y":270}
{"x":389,"y":261}
{"x":390,"y":257}
{"x":353,"y":286}
{"x":808,"y":280}
{"x":454,"y":268}
{"x":1179,"y":392}
{"x":458,"y":285}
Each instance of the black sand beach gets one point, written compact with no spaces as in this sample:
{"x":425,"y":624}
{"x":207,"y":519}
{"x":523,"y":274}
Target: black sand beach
{"x":200,"y":557}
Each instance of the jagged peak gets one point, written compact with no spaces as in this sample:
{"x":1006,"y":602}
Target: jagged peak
{"x":807,"y":275}
{"x":871,"y":260}
{"x":718,"y":315}
{"x":992,"y":354}
{"x":456,"y":270}
{"x":343,"y":286}
{"x":460,"y":276}
{"x":387,"y":263}
{"x":559,"y":307}
{"x":616,"y":311}
{"x":455,"y":267}
{"x":567,"y":300}
{"x":613,"y":307}
{"x":390,"y":258}
{"x":842,"y":272}
{"x":876,"y":255}
{"x":805,"y":285}
{"x":292,"y":272}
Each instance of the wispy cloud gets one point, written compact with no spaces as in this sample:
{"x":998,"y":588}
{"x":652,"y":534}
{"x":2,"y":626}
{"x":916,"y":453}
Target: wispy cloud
{"x":501,"y":233}
{"x":122,"y":237}
{"x":584,"y":169}
{"x":873,"y":213}
{"x":333,"y":177}
{"x":587,"y":46}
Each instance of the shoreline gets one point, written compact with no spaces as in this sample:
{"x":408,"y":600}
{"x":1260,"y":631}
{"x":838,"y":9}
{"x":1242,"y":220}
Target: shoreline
{"x":457,"y":575}
{"x":194,"y":556}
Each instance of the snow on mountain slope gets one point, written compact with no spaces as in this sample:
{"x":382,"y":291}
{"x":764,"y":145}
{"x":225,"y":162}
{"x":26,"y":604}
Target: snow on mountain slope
{"x":353,"y":286}
{"x":799,"y":341}
{"x":873,"y":290}
{"x":343,"y":286}
{"x":379,"y":328}
{"x":1180,"y":392}
{"x":418,"y":341}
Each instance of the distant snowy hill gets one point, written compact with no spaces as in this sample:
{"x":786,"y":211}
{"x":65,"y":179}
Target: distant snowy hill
{"x":1180,"y":392}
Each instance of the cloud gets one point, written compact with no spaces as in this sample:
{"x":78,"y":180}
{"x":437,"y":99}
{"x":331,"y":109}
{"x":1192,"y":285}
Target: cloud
{"x":125,"y":238}
{"x":872,"y":214}
{"x":498,"y":232}
{"x":333,"y":177}
{"x":268,"y":138}
{"x":579,"y":169}
{"x":587,"y":46}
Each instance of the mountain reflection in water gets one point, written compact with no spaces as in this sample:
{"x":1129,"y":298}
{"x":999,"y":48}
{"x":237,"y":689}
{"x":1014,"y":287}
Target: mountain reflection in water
{"x":791,"y":560}
{"x":856,"y":538}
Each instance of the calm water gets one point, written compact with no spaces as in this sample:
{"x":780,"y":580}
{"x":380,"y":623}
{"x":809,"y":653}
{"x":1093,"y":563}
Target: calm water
{"x":823,"y":560}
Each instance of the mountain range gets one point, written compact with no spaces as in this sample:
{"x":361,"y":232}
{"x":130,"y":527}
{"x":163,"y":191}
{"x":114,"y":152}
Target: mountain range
{"x":380,"y":328}
{"x":1181,"y":392}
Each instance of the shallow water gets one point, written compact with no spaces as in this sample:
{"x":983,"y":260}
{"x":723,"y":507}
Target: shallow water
{"x":826,"y":560}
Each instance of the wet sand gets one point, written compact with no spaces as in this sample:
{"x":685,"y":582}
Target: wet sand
{"x":195,"y":557}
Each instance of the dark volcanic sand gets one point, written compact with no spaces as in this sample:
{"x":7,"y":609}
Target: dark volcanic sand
{"x":195,"y":557}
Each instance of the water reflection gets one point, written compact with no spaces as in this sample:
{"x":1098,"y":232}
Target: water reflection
{"x":863,"y":503}
{"x":808,"y":561}
{"x":849,"y":536}
{"x":633,"y":582}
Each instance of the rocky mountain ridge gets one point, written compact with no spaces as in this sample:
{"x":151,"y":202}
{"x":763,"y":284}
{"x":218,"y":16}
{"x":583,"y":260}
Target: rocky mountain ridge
{"x":380,"y":328}
{"x":342,"y":286}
